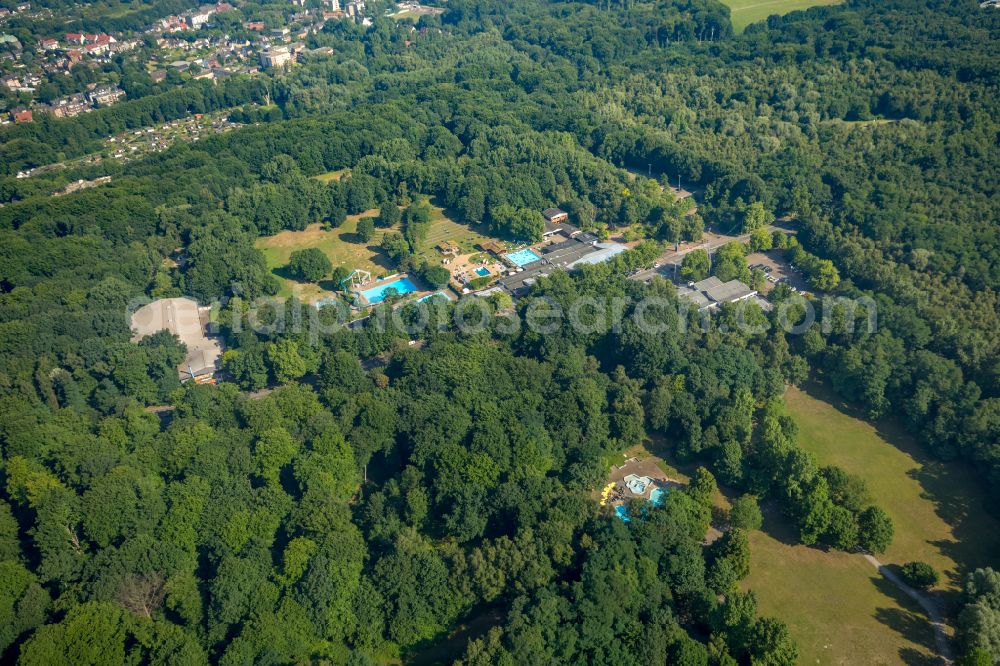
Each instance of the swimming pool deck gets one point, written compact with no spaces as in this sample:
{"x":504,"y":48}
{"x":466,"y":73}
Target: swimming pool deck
{"x":643,"y":467}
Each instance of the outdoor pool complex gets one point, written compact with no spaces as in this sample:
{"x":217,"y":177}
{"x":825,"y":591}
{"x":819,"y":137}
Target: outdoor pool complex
{"x":377,"y":294}
{"x":482,"y":272}
{"x":523,"y":257}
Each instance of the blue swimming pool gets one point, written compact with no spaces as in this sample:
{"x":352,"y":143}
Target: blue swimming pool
{"x":656,"y":498}
{"x":482,"y":272}
{"x":377,"y":294}
{"x":436,"y":294}
{"x":523,"y":257}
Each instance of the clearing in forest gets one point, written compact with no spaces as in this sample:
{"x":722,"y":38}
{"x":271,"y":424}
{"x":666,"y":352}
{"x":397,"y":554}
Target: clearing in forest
{"x":745,"y":12}
{"x":837,"y":606}
{"x":343,"y":249}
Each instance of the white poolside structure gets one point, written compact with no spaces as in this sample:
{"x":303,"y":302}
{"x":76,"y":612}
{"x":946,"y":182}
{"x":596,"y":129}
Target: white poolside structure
{"x":637,"y":485}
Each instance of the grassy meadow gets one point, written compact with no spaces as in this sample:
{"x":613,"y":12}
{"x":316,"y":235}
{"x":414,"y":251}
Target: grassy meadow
{"x":343,"y":249}
{"x":838,"y":608}
{"x":745,"y":12}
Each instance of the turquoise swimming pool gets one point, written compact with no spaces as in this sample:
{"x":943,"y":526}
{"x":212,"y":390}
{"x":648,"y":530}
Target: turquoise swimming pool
{"x":436,"y":294}
{"x":377,"y":294}
{"x":522,"y":257}
{"x":482,"y":272}
{"x":656,"y":498}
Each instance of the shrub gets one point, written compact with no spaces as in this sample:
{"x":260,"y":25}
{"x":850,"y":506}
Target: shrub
{"x":919,"y":575}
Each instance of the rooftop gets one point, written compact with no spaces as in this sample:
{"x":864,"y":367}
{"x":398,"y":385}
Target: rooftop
{"x":581,"y":250}
{"x":183,"y":318}
{"x":711,"y":291}
{"x":553,"y":213}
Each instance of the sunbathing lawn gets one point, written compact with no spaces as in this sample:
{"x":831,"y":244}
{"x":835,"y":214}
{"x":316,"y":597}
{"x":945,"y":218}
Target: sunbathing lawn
{"x":839,"y":610}
{"x":340,"y":246}
{"x":745,"y":12}
{"x":445,"y":228}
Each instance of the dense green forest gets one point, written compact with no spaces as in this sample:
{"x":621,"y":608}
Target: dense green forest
{"x":352,"y":498}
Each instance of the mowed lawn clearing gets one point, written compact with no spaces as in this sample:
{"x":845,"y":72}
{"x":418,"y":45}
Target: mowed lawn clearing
{"x":837,"y":607}
{"x":338,"y":244}
{"x":342,"y":248}
{"x":443,"y":228}
{"x":332,"y":175}
{"x":937,"y":508}
{"x":744,"y":12}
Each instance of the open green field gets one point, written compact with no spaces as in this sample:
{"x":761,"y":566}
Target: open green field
{"x":338,"y":244}
{"x":341,"y":246}
{"x":938,"y":508}
{"x":443,"y":228}
{"x":745,"y":12}
{"x":332,"y":175}
{"x":838,"y":608}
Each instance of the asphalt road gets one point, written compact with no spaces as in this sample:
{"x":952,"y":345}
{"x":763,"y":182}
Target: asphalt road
{"x":713,"y":243}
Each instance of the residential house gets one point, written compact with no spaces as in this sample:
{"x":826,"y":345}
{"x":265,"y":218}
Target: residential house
{"x":69,"y":106}
{"x":105,"y":95}
{"x":275,"y":57}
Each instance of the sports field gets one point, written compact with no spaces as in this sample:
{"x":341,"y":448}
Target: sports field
{"x":839,"y":610}
{"x":745,"y":12}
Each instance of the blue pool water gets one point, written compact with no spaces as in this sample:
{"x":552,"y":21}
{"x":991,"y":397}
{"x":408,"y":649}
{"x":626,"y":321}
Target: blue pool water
{"x":656,"y":498}
{"x":482,"y":272}
{"x":523,"y":257}
{"x":377,"y":294}
{"x":436,"y":294}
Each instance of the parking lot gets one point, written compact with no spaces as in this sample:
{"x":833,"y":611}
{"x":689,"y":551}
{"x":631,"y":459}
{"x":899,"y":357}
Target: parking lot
{"x":777,"y":269}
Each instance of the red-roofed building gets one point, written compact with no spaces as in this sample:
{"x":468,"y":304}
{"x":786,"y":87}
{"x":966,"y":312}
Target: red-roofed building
{"x":74,"y":38}
{"x":21,"y":115}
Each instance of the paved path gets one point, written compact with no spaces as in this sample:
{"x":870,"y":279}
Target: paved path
{"x":940,"y":637}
